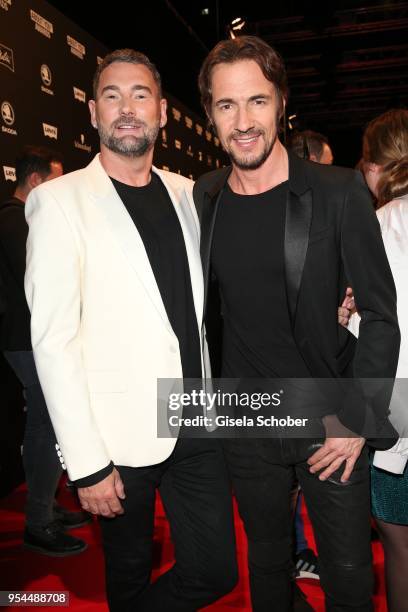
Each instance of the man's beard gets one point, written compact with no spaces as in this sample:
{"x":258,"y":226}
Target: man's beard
{"x":129,"y":145}
{"x":250,"y":161}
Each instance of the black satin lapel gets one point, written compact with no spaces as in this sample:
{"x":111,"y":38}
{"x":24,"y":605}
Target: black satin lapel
{"x":209,"y":214}
{"x":297,"y":228}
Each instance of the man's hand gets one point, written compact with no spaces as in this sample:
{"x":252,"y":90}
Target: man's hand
{"x":347,"y":308}
{"x":103,"y":497}
{"x":336,"y":450}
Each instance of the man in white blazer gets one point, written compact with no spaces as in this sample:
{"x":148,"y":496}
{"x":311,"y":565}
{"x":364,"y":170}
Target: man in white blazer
{"x":115,"y":288}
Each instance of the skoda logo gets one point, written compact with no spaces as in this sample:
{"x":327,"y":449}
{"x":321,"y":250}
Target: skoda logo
{"x":7,"y":112}
{"x":46,"y":75}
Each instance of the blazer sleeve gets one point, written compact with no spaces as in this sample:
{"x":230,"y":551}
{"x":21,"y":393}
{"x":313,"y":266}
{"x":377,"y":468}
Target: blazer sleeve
{"x":53,"y":291}
{"x":368,"y":272}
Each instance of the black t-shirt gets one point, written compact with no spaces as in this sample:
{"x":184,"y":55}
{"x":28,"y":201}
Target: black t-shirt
{"x":156,"y":220}
{"x":248,"y":261}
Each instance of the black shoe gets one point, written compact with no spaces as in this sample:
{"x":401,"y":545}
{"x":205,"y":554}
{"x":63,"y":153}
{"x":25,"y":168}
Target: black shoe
{"x":71,"y":520}
{"x":53,"y":541}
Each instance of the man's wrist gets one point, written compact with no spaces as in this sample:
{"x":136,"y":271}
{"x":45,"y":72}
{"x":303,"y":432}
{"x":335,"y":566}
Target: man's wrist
{"x":93,"y":479}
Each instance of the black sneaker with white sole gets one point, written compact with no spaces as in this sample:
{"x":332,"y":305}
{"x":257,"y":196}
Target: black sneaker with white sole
{"x":306,"y":564}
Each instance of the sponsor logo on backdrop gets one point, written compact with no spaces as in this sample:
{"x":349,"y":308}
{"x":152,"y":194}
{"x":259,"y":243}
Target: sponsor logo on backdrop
{"x":208,"y":136}
{"x":43,"y":26}
{"x":190,"y":151}
{"x":8,"y":116}
{"x":99,"y":59}
{"x":217,"y":163}
{"x":199,"y":129}
{"x":6,"y":57}
{"x":200,"y":156}
{"x":189,"y":122}
{"x":46,"y":77}
{"x":166,"y":168}
{"x":177,"y":144}
{"x":81,"y":144}
{"x":5,"y":4}
{"x":176,"y":113}
{"x":164,"y":138}
{"x":50,"y":130}
{"x":79,"y":94}
{"x":76,"y":47}
{"x":7,"y":113}
{"x":216,"y":141}
{"x":9,"y":173}
{"x":209,"y":160}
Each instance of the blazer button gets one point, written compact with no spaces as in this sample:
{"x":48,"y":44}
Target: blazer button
{"x":57,"y":447}
{"x":64,"y":467}
{"x":59,"y":453}
{"x":61,"y":459}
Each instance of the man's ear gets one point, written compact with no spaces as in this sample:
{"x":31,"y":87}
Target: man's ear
{"x":34,"y":179}
{"x":92,"y":111}
{"x":163,"y":112}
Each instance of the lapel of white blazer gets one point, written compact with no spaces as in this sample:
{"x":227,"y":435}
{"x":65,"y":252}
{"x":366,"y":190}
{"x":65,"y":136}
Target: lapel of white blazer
{"x":190,"y":226}
{"x":124,"y":231}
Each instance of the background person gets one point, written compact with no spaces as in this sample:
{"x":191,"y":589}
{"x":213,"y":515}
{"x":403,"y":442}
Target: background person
{"x":385,"y":167}
{"x":45,"y":520}
{"x":312,"y":146}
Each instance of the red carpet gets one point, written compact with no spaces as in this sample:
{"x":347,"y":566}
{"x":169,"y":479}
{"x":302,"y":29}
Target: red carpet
{"x":82,"y":575}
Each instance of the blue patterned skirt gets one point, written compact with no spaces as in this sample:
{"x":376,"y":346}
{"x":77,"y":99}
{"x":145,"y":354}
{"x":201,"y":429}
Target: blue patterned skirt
{"x":389,"y":495}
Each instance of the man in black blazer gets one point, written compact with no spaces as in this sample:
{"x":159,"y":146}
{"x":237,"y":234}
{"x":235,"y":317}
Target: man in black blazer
{"x":281,"y":240}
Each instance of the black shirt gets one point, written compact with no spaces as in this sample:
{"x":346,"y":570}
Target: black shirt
{"x":156,"y":220}
{"x":248,"y":261}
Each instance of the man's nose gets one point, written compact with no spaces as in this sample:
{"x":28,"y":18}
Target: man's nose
{"x":127,"y":106}
{"x":243,"y":120}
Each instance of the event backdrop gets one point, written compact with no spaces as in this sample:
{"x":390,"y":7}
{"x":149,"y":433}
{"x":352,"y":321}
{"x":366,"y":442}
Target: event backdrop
{"x":47,"y":64}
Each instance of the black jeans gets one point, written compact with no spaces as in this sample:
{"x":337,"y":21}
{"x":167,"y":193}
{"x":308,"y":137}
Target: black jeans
{"x":42,"y":466}
{"x":195,"y":491}
{"x":264,"y":474}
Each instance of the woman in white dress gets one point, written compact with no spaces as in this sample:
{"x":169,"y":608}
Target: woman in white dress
{"x":385,"y":166}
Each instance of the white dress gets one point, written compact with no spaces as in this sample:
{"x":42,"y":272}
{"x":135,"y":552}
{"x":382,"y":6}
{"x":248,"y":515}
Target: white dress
{"x":393,"y":218}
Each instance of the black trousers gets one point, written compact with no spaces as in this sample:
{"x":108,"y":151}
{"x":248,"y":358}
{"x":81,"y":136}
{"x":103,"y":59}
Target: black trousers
{"x":42,"y":466}
{"x":195,"y":491}
{"x":264,"y":476}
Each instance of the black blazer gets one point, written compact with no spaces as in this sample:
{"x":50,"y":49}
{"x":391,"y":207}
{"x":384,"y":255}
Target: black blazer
{"x":15,"y":321}
{"x":332,"y":240}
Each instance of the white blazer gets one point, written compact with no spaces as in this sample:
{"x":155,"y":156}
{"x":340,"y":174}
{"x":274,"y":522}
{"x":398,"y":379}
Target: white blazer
{"x":100,"y":333}
{"x":393,"y":218}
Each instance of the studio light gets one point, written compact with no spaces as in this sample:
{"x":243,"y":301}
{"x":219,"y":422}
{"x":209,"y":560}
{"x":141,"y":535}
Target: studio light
{"x":236,"y":26}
